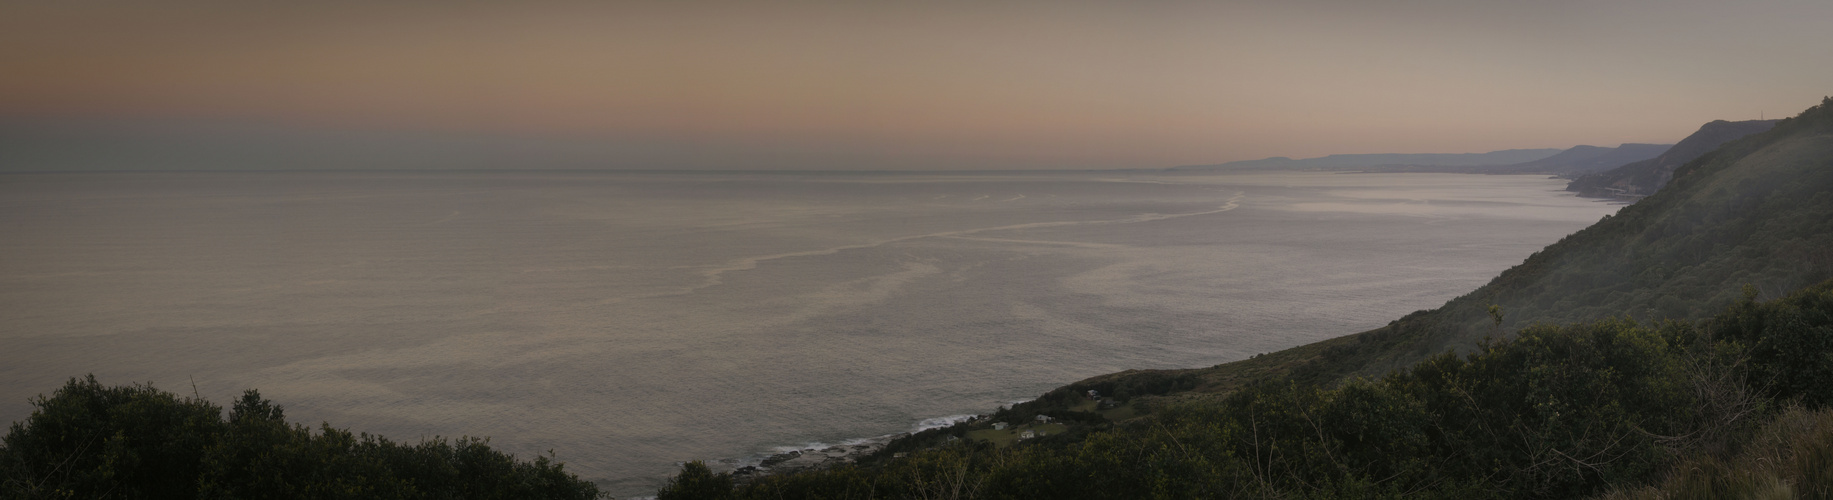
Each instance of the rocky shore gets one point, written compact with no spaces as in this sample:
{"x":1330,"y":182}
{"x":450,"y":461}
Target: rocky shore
{"x":824,"y":456}
{"x":812,"y":458}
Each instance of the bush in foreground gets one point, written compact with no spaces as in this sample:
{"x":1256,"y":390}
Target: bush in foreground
{"x":91,"y":441}
{"x":1791,"y":457}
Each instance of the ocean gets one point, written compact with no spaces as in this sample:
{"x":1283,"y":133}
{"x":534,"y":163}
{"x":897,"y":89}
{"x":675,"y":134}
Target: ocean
{"x":628,"y":321}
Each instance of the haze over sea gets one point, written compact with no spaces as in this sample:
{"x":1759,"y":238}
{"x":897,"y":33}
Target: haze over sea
{"x":629,"y":321}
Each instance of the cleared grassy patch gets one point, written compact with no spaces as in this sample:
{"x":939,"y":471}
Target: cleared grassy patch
{"x":1009,"y":436}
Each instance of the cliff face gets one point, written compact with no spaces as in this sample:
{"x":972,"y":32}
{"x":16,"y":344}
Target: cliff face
{"x":1644,"y":177}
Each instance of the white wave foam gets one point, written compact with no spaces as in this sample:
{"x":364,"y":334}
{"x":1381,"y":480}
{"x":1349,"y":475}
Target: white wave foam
{"x":940,"y":422}
{"x":920,"y":426}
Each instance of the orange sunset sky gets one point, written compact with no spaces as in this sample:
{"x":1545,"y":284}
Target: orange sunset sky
{"x":928,"y":85}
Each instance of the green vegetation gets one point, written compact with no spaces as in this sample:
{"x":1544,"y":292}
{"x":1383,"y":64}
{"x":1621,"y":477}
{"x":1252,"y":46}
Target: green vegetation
{"x":91,"y":441}
{"x":1555,"y":412}
{"x":696,"y":481}
{"x":1791,"y":457}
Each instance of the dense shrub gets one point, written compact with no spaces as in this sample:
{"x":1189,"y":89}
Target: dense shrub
{"x":1791,"y":457}
{"x":91,"y":441}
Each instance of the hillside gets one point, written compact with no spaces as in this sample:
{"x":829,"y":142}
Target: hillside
{"x":1613,"y":400}
{"x":1758,"y":210}
{"x":1644,"y":177}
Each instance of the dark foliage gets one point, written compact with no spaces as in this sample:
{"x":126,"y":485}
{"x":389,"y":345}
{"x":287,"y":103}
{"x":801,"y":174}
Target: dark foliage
{"x":1790,"y":344}
{"x":1137,"y":383}
{"x":928,"y":438}
{"x":696,"y":481}
{"x":91,"y":441}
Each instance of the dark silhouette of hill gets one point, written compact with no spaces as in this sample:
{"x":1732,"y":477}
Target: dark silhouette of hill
{"x":1642,"y":178}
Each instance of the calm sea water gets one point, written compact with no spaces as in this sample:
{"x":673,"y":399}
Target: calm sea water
{"x":629,"y":321}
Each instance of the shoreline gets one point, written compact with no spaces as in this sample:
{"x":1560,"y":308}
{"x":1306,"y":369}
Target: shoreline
{"x":816,"y":455}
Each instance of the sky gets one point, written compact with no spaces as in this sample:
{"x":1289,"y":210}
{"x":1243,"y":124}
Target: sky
{"x":893,"y":85}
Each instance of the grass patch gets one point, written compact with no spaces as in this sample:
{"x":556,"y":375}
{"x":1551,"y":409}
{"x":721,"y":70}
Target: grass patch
{"x":1009,"y":436}
{"x":1791,"y":457}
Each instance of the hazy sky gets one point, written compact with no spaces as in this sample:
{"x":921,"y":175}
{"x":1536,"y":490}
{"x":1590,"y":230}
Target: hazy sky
{"x":933,"y":84}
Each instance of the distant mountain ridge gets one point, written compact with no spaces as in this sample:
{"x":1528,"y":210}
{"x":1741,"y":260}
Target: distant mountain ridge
{"x":1643,"y":178}
{"x":1503,"y":157}
{"x":1571,"y":162}
{"x":1585,"y":159}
